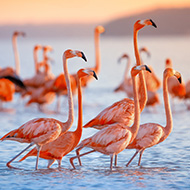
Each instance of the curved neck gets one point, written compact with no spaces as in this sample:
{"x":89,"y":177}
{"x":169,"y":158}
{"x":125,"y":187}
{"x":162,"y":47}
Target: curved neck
{"x":16,"y":55}
{"x":97,"y":52}
{"x":142,"y":84}
{"x":169,"y":122}
{"x":80,"y":113}
{"x":127,"y":68}
{"x":135,"y":126}
{"x":70,"y":98}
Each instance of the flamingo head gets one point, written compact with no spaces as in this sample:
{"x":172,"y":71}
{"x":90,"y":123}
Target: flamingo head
{"x":145,"y":49}
{"x":168,"y":63}
{"x":99,"y":29}
{"x":169,"y":72}
{"x":18,"y":33}
{"x":136,"y":69}
{"x":123,"y":56}
{"x":73,"y":53}
{"x":47,"y":48}
{"x":37,"y":47}
{"x":86,"y":72}
{"x":141,"y":23}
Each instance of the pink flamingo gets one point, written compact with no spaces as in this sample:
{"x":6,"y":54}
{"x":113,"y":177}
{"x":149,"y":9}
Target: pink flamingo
{"x":41,"y":131}
{"x":97,"y":31}
{"x":123,"y":110}
{"x":65,"y":143}
{"x":174,"y":88}
{"x":115,"y":137}
{"x":126,"y":84}
{"x":150,"y":134}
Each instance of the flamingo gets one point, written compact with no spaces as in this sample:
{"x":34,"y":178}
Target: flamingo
{"x":41,"y":131}
{"x":126,"y":84}
{"x":40,"y":78}
{"x":97,"y":31}
{"x":151,"y":134}
{"x":7,"y":88}
{"x":15,"y":50}
{"x":115,"y":137}
{"x":123,"y":111}
{"x":174,"y":88}
{"x":65,"y":143}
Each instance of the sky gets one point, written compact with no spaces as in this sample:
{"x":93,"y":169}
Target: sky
{"x":77,"y":11}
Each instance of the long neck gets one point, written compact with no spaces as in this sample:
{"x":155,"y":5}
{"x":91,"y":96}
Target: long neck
{"x":169,"y":122}
{"x":142,"y":84}
{"x":135,"y":126}
{"x":36,"y":61}
{"x":127,"y":69}
{"x":70,"y":98}
{"x":97,"y":52}
{"x":80,"y":113}
{"x":15,"y":50}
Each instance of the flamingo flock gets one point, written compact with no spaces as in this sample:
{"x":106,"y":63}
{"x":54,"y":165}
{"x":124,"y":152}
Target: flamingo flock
{"x":118,"y":125}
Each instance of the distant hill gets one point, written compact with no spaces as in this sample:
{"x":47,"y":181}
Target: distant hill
{"x":168,"y":21}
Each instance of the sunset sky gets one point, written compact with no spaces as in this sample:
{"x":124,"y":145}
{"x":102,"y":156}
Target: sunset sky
{"x":73,"y":11}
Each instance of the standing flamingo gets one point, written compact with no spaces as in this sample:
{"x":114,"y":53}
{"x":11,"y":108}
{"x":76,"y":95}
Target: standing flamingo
{"x":97,"y":31}
{"x":7,"y":88}
{"x":65,"y":143}
{"x":41,"y":131}
{"x":174,"y":88}
{"x":150,"y":134}
{"x":126,"y":84}
{"x":115,"y":137}
{"x":15,"y":50}
{"x":123,"y":110}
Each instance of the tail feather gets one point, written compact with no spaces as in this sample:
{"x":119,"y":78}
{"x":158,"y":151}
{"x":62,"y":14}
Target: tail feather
{"x":33,"y":152}
{"x":90,"y":123}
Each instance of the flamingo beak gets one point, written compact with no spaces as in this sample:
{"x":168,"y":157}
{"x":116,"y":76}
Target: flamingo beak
{"x":83,"y":56}
{"x":153,"y":24}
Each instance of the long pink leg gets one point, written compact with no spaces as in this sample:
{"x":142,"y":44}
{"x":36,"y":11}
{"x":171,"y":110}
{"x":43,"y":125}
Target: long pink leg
{"x":140,"y":157}
{"x":132,"y":158}
{"x":115,"y":160}
{"x":74,"y":157}
{"x":9,"y":163}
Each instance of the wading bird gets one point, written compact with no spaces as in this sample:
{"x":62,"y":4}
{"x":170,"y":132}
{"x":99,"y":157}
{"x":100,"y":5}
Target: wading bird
{"x":115,"y":137}
{"x":151,"y":134}
{"x":65,"y":143}
{"x":41,"y":131}
{"x":123,"y":110}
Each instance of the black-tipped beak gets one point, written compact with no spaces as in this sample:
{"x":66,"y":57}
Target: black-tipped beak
{"x":153,"y":24}
{"x":147,"y":68}
{"x":179,"y":79}
{"x":83,"y":56}
{"x":95,"y":76}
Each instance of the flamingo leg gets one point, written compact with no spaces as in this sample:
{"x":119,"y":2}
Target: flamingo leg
{"x":50,"y":162}
{"x":111,"y":161}
{"x":132,"y":158}
{"x":38,"y":154}
{"x":115,"y":160}
{"x":74,"y":157}
{"x":140,"y":157}
{"x":8,"y":163}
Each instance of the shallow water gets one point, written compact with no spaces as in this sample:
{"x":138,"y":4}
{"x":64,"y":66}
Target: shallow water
{"x":165,"y":166}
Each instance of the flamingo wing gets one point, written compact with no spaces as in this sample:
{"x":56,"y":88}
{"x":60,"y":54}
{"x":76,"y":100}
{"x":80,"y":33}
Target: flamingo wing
{"x":149,"y":134}
{"x":39,"y":131}
{"x":121,"y":112}
{"x":112,"y":139}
